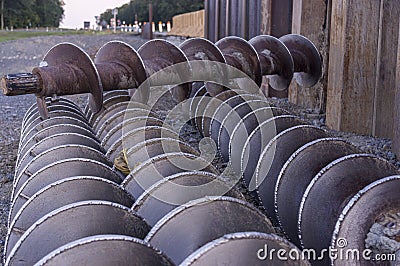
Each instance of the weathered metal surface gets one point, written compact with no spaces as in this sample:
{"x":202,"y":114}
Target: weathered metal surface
{"x":245,"y":248}
{"x":81,"y":220}
{"x":221,"y":129}
{"x":329,"y":192}
{"x":131,"y":138}
{"x":79,"y":76}
{"x":259,"y":138}
{"x":121,"y":111}
{"x":225,"y":108}
{"x":306,"y":58}
{"x":240,"y":54}
{"x":274,"y":156}
{"x":151,"y":171}
{"x":112,"y":119}
{"x":119,"y":66}
{"x":234,"y":117}
{"x":50,"y":101}
{"x":126,"y":250}
{"x":29,"y":132}
{"x":51,"y":106}
{"x":51,"y":131}
{"x":96,"y":121}
{"x":160,"y":54}
{"x":217,"y":215}
{"x":243,"y":130}
{"x":128,"y":125}
{"x":204,"y":115}
{"x":107,"y":103}
{"x":58,"y":153}
{"x":366,"y":207}
{"x":61,"y":162}
{"x":61,"y":193}
{"x":297,"y":173}
{"x":21,"y":83}
{"x":178,"y":189}
{"x":57,"y":171}
{"x":276,"y":61}
{"x":198,"y":106}
{"x":57,"y":140}
{"x":157,"y":146}
{"x":51,"y":115}
{"x":201,"y":49}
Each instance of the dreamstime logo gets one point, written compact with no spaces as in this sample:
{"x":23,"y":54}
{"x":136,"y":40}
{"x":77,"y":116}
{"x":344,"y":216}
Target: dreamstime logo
{"x":174,"y":79}
{"x":339,"y":253}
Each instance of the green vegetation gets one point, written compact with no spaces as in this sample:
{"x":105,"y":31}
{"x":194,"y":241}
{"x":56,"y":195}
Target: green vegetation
{"x":32,"y":13}
{"x":15,"y":35}
{"x":163,"y":10}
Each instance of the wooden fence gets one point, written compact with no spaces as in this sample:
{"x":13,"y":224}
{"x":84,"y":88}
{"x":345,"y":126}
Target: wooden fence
{"x":188,"y":24}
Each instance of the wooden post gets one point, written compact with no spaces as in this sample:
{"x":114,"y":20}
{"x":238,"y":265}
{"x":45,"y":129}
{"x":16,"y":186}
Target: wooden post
{"x":362,"y":64}
{"x":396,"y":117}
{"x":386,"y":69}
{"x":150,"y":20}
{"x":310,"y":19}
{"x":352,"y":65}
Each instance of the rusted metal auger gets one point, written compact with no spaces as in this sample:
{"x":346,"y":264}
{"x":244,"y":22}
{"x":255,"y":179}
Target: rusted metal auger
{"x":218,"y":215}
{"x":65,"y":229}
{"x":290,"y":56}
{"x":306,"y":58}
{"x":335,"y":184}
{"x":65,"y":70}
{"x":161,"y":55}
{"x":67,"y":162}
{"x":250,"y":248}
{"x":297,"y":173}
{"x":241,"y":55}
{"x":276,"y":60}
{"x":126,"y":250}
{"x":382,"y":199}
{"x":199,"y":49}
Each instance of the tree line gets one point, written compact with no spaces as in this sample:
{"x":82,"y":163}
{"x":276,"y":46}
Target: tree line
{"x":163,"y":10}
{"x":31,"y":13}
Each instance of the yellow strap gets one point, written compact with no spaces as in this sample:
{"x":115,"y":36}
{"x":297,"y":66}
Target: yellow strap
{"x":121,"y":164}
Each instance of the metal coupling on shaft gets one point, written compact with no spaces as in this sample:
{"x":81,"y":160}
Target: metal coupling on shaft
{"x":19,"y":84}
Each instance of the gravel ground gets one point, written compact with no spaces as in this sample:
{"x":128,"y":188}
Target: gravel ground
{"x":23,"y":55}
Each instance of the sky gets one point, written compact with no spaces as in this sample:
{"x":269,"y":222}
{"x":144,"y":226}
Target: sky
{"x":78,"y":11}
